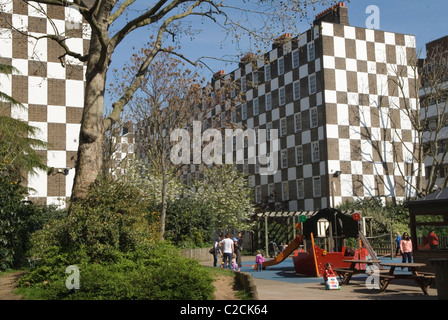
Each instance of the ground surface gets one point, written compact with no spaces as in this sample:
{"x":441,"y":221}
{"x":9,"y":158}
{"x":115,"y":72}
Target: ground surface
{"x":7,"y":284}
{"x":225,"y":288}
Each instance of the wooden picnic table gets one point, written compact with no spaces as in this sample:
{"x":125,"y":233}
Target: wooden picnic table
{"x":346,"y":273}
{"x":423,"y":279}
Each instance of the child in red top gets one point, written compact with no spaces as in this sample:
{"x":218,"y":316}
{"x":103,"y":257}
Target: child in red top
{"x":328,"y":272}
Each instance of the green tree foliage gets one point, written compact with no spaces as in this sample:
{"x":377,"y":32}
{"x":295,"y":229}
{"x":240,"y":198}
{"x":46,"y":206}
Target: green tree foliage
{"x":228,"y":194}
{"x":18,"y":157}
{"x":385,"y":217}
{"x":18,"y":148}
{"x":190,"y":223}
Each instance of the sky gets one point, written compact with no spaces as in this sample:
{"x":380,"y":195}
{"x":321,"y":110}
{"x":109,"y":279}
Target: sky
{"x":426,"y":20}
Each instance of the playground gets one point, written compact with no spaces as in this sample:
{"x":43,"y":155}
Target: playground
{"x":294,"y":271}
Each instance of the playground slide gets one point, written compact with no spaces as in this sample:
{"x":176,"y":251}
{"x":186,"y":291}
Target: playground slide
{"x":285,"y":253}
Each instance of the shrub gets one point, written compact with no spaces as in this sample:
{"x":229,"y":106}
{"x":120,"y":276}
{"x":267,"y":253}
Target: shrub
{"x":111,"y":217}
{"x":13,"y":213}
{"x":108,"y":236}
{"x":152,"y":272}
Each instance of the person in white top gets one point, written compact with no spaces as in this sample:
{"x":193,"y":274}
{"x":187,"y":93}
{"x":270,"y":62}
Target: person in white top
{"x":227,"y":249}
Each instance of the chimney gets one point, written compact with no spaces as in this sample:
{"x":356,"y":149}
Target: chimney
{"x":246,"y":59}
{"x":335,"y":14}
{"x":281,"y":40}
{"x":218,"y":75}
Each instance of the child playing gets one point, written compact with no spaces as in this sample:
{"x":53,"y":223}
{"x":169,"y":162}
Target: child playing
{"x":259,"y":260}
{"x":330,"y":278}
{"x":234,"y":264}
{"x":328,"y":272}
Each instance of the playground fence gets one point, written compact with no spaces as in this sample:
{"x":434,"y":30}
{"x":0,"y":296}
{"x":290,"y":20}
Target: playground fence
{"x":382,"y":244}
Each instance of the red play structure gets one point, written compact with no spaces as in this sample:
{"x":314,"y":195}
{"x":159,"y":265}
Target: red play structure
{"x":311,"y":261}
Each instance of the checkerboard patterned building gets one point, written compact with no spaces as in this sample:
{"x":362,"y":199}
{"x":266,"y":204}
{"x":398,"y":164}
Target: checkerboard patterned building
{"x":328,"y":92}
{"x":53,"y":94}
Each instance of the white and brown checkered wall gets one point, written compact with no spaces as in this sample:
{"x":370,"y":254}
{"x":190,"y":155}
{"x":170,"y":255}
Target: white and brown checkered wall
{"x":338,"y":83}
{"x":53,"y":94}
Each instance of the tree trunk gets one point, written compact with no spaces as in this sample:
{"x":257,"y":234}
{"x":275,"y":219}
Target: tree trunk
{"x":91,"y":138}
{"x":164,"y":206}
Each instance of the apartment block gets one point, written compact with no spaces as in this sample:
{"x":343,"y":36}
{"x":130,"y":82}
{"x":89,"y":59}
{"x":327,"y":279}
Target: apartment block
{"x":49,"y":85}
{"x":332,"y":94}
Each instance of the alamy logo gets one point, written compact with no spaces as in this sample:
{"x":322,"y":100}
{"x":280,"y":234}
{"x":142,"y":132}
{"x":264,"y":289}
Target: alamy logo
{"x":234,"y":140}
{"x":72,"y":281}
{"x":373,"y":21}
{"x":73,"y":18}
{"x":373,"y":278}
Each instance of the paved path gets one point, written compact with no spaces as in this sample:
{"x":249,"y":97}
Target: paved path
{"x":280,"y":282}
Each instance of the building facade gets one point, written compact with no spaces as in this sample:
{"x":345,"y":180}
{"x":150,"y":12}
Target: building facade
{"x":49,"y":85}
{"x":332,"y":94}
{"x":434,"y":108}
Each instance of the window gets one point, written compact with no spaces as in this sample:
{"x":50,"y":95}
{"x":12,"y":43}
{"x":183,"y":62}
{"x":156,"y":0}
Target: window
{"x":311,"y":53}
{"x":312,"y":83}
{"x":258,"y":194}
{"x":268,"y":131}
{"x":246,"y":166}
{"x":271,"y":190}
{"x":297,"y":122}
{"x":295,"y":58}
{"x":300,"y":189}
{"x":296,"y":87}
{"x":316,"y":186}
{"x":281,"y":65}
{"x":313,"y":117}
{"x":233,"y":116}
{"x":284,"y":158}
{"x":285,"y":190}
{"x":281,"y":96}
{"x":268,"y":101}
{"x":243,"y":111}
{"x":299,"y":155}
{"x":256,"y":107}
{"x":282,"y":126}
{"x":315,"y":151}
{"x":255,"y":78}
{"x":243,"y":84}
{"x":257,"y":167}
{"x":267,"y":73}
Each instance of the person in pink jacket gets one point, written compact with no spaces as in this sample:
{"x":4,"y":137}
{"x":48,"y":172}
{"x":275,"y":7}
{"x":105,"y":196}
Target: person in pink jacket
{"x":406,"y":248}
{"x":259,"y":261}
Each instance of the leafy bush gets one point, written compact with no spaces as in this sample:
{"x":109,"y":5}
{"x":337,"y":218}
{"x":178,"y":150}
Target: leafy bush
{"x":151,"y":272}
{"x":13,"y":224}
{"x":111,"y":217}
{"x":108,"y":236}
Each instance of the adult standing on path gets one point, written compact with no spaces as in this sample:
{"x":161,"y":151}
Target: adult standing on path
{"x":216,"y":246}
{"x":398,"y":240}
{"x":238,"y":247}
{"x":227,"y":248}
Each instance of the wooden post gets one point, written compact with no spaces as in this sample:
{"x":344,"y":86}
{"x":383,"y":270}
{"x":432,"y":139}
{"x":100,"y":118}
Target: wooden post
{"x":314,"y":255}
{"x":266,"y":235}
{"x":391,"y":244}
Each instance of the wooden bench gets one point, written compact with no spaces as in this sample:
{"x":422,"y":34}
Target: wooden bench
{"x":344,"y":274}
